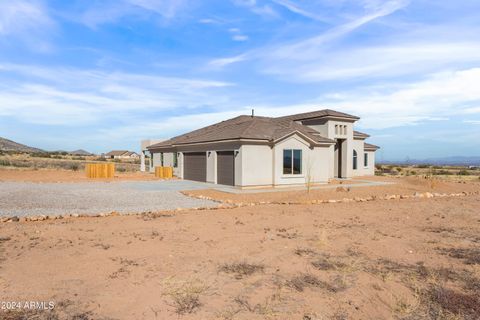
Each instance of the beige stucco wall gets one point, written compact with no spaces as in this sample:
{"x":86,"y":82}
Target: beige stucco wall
{"x":256,"y":166}
{"x":211,"y":166}
{"x":315,"y":162}
{"x":327,"y":129}
{"x":363,"y":170}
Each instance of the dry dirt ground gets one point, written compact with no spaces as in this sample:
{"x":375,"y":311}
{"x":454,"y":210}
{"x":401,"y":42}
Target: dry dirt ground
{"x":382,"y":259}
{"x":400,"y":186}
{"x":46,"y":175}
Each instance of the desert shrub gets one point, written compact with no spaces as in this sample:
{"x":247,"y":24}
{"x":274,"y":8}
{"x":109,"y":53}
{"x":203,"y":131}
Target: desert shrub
{"x":74,"y":166}
{"x":399,"y":169}
{"x":40,"y":155}
{"x":241,"y":269}
{"x":423,"y":166}
{"x":463,"y":173}
{"x":441,"y":172}
{"x":413,"y":172}
{"x":121,"y":169}
{"x":100,"y":159}
{"x":5,"y":163}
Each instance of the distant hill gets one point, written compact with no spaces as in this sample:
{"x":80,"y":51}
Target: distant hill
{"x":453,"y":161}
{"x":81,"y":152}
{"x":9,"y":145}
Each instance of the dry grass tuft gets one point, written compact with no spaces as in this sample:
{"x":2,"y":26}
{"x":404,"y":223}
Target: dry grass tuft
{"x":304,"y":252}
{"x":326,"y":263}
{"x":307,"y":280}
{"x":185,"y":295}
{"x":470,"y":256}
{"x":241,"y":269}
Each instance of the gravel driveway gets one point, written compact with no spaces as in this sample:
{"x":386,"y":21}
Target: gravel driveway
{"x":26,"y":199}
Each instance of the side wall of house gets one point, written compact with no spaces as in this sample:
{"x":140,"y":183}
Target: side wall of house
{"x":315,"y":163}
{"x":256,"y":166}
{"x":358,"y":147}
{"x":362,"y":169}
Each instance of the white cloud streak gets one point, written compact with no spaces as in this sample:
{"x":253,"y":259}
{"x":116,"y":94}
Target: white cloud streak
{"x":27,"y":21}
{"x":312,"y":48}
{"x":77,"y":97}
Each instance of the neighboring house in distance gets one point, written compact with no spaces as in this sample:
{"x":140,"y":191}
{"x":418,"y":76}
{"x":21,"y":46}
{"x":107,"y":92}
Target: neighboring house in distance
{"x":249,"y":151}
{"x":121,"y":154}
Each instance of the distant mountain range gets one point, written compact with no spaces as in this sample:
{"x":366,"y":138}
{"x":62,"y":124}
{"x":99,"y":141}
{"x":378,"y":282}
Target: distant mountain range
{"x":12,"y":146}
{"x":81,"y":152}
{"x":9,"y":145}
{"x":453,"y":161}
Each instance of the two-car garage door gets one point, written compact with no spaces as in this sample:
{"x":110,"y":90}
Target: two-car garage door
{"x":195,"y":167}
{"x":226,"y":167}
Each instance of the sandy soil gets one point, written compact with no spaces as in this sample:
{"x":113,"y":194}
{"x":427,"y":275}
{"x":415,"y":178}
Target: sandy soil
{"x":401,"y":186}
{"x":45,"y":175}
{"x":408,"y":259}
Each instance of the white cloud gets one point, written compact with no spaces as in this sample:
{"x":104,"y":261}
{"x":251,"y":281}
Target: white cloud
{"x":472,"y":121}
{"x":222,"y":62}
{"x":27,"y":21}
{"x":262,"y":10}
{"x":240,"y":37}
{"x":110,"y":11}
{"x":312,"y":48}
{"x":377,"y":61}
{"x":298,"y":10}
{"x":438,"y":97}
{"x":59,"y":96}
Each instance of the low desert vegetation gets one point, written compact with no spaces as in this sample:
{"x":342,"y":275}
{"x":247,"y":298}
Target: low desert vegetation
{"x":241,"y":270}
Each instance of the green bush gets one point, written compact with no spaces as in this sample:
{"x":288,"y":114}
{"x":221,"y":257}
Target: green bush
{"x":121,"y":169}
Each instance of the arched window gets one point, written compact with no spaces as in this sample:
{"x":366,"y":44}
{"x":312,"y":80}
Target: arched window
{"x":354,"y":160}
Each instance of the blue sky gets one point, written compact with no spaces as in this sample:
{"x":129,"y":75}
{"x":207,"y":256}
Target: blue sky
{"x":104,"y":74}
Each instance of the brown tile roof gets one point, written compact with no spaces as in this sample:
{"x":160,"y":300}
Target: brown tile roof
{"x":252,"y":128}
{"x":320,"y":114}
{"x":116,"y":152}
{"x":360,"y":134}
{"x":368,"y":146}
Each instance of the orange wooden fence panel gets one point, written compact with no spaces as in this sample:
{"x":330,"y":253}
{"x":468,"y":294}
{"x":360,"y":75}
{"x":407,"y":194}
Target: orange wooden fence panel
{"x":100,"y":170}
{"x":164,"y":172}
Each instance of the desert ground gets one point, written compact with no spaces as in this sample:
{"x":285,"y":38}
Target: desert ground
{"x":408,"y":250}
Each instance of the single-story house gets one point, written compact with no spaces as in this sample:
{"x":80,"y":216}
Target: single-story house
{"x":121,"y":154}
{"x":251,"y":151}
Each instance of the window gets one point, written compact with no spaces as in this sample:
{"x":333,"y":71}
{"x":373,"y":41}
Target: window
{"x":292,"y":161}
{"x":365,"y":159}
{"x":336,"y":129}
{"x":354,"y":160}
{"x":175,"y":159}
{"x":161,"y":159}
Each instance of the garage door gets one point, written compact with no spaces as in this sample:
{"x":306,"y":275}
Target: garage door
{"x":195,"y":166}
{"x":226,"y":168}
